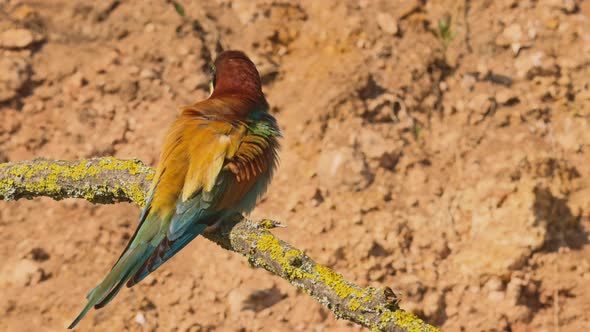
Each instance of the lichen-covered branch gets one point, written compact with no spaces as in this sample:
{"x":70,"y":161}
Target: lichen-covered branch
{"x":110,"y":180}
{"x":99,"y":180}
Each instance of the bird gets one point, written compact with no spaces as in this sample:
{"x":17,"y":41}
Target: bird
{"x":217,"y":160}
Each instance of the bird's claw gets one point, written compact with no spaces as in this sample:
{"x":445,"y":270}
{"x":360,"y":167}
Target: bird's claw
{"x":270,"y":224}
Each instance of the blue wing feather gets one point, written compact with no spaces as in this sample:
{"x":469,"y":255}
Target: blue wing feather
{"x":190,"y":219}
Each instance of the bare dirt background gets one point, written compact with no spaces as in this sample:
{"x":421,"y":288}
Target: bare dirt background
{"x":450,"y":164}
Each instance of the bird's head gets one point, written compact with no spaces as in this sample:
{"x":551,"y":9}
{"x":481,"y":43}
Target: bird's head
{"x":235,"y":74}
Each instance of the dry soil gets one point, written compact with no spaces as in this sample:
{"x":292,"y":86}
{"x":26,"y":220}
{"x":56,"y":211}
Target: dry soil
{"x":437,"y":147}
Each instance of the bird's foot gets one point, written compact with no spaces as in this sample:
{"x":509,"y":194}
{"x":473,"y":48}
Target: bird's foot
{"x":270,"y":224}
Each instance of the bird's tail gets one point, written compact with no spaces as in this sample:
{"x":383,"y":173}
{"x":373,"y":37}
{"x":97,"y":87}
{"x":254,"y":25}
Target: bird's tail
{"x":129,"y":263}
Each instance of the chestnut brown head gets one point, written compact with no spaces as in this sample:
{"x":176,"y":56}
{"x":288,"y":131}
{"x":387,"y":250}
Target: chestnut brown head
{"x":235,"y":74}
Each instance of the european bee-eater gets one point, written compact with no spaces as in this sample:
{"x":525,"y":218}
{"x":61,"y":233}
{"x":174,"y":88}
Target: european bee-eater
{"x":218,"y":158}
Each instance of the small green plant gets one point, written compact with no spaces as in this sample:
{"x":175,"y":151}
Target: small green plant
{"x":416,"y":129}
{"x":445,"y":33}
{"x":178,"y":7}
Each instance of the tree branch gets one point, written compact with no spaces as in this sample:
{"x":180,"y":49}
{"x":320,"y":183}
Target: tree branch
{"x":110,"y":180}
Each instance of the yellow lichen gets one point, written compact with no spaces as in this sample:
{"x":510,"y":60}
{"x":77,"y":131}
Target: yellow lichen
{"x":336,"y":283}
{"x":113,"y":164}
{"x":293,"y":253}
{"x":353,"y":304}
{"x":6,"y":186}
{"x":134,"y":193}
{"x":268,"y":243}
{"x":407,"y":321}
{"x":19,"y":170}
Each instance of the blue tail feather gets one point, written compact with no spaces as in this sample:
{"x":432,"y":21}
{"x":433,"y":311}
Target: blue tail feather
{"x":172,"y":248}
{"x":128,"y":265}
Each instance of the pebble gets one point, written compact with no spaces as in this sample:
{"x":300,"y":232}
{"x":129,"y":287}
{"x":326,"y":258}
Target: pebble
{"x":344,"y":167}
{"x":140,"y":319}
{"x":147,"y":73}
{"x":387,"y":23}
{"x":21,"y":274}
{"x":14,"y":73}
{"x":16,"y":38}
{"x":536,"y":64}
{"x":513,"y":36}
{"x":506,"y":95}
{"x":468,"y":82}
{"x":567,"y":6}
{"x":510,"y":34}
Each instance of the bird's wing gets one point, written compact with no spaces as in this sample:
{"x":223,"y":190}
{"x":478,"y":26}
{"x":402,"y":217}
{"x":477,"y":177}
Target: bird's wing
{"x":249,"y":170}
{"x":227,"y":161}
{"x":206,"y":144}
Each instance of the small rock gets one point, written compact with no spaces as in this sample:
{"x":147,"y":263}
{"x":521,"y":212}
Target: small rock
{"x":344,"y":167}
{"x":147,"y":73}
{"x":506,"y":96}
{"x":387,"y":23}
{"x":537,"y":64}
{"x":569,"y":6}
{"x":357,"y":218}
{"x":480,"y":104}
{"x":496,"y":296}
{"x":510,"y":35}
{"x":468,"y":82}
{"x":513,"y":37}
{"x":77,"y":81}
{"x":16,"y":38}
{"x":433,"y":304}
{"x":494,"y":284}
{"x":150,"y":27}
{"x":146,"y":304}
{"x":532,"y":33}
{"x":483,"y":68}
{"x":514,"y":290}
{"x":14,"y":73}
{"x":382,"y":108}
{"x":33,"y":107}
{"x":373,"y":144}
{"x":282,"y":51}
{"x":21,"y":274}
{"x":520,"y":227}
{"x":140,"y":319}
